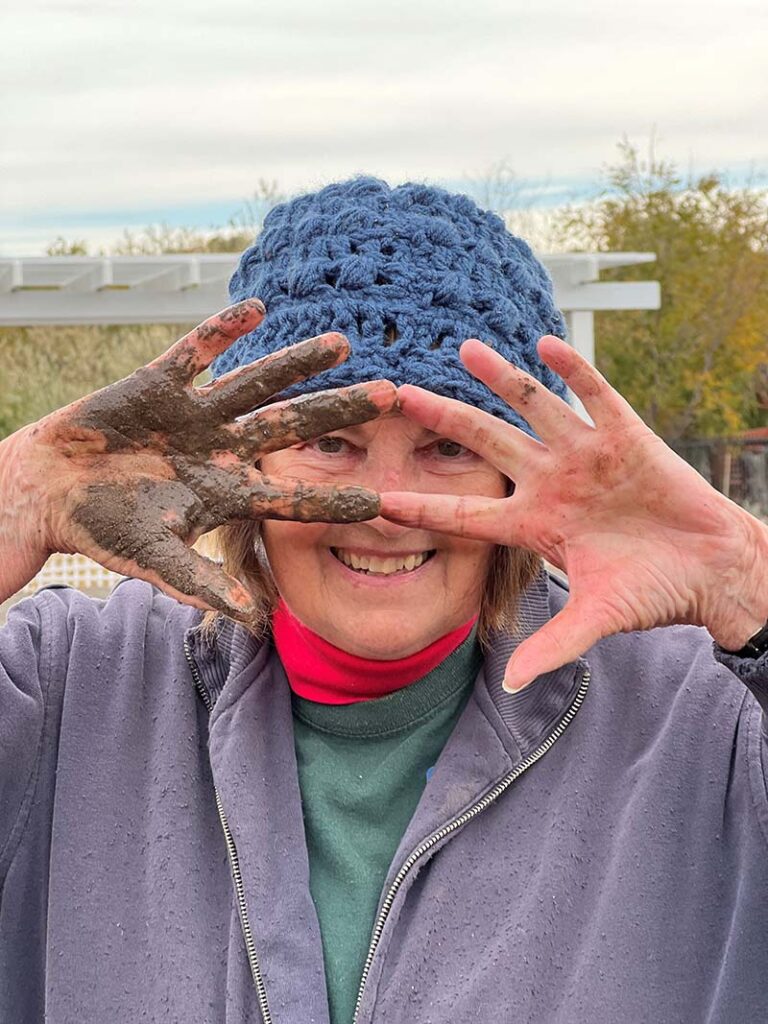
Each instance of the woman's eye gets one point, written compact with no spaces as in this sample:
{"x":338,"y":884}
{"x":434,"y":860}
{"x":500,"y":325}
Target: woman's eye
{"x":448,"y":448}
{"x":330,"y":445}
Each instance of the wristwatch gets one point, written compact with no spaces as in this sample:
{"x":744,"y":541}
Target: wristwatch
{"x":755,"y":647}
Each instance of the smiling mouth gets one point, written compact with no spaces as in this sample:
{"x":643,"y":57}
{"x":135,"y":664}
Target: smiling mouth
{"x":370,"y":565}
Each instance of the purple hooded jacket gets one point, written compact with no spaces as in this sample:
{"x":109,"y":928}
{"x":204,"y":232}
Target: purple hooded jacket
{"x":593,"y":849}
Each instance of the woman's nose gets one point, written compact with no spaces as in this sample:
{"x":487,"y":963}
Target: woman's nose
{"x":391,"y":476}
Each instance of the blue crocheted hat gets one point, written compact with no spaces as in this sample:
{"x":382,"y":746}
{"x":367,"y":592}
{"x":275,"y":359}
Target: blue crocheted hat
{"x":407,"y":274}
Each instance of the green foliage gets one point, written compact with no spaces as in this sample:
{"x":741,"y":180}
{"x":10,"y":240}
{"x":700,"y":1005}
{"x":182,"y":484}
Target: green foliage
{"x":45,"y":368}
{"x":697,"y":366}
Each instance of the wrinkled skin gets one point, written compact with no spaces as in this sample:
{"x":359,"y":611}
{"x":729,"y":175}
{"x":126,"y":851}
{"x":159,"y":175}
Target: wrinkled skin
{"x":136,"y":472}
{"x":644,"y":539}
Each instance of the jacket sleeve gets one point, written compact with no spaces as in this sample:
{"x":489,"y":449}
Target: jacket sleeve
{"x":753,"y":672}
{"x":25,"y":642}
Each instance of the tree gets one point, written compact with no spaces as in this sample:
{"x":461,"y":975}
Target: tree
{"x":697,"y":366}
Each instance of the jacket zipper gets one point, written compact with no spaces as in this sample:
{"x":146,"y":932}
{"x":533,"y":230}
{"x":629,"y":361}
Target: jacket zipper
{"x":397,"y":882}
{"x":234,"y":864}
{"x":459,"y":822}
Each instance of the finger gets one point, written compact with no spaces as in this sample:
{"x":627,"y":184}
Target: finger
{"x":229,"y":490}
{"x":506,"y":447}
{"x":196,"y":351}
{"x":601,"y":401}
{"x":189,"y":576}
{"x":168,"y":564}
{"x":549,"y":416}
{"x":300,"y":419}
{"x":242,"y":390}
{"x":275,"y":498}
{"x":486,"y":519}
{"x":563,"y":639}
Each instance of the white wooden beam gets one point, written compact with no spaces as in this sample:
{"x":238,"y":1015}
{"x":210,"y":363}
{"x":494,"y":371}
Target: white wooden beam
{"x":111,"y":306}
{"x":609,"y":295}
{"x":176,"y":277}
{"x":186,"y":288}
{"x":10,"y":275}
{"x":581,"y":334}
{"x":88,"y":278}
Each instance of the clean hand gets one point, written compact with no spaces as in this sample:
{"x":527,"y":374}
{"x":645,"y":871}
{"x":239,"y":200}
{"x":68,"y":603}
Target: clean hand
{"x":644,"y":540}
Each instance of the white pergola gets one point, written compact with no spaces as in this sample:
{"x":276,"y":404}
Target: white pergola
{"x":52,"y":290}
{"x":186,"y":289}
{"x":580,"y":293}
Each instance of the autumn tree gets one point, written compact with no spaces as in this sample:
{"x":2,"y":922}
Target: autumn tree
{"x":698,"y":365}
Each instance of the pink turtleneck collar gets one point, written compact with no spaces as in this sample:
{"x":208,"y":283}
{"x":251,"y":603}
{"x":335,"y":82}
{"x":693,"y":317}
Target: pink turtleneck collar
{"x":321,"y":672}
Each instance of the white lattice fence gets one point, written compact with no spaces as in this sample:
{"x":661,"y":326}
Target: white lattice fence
{"x":74,"y":571}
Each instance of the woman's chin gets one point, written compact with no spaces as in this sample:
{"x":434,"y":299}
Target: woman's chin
{"x":382,"y":651}
{"x":391,"y":638}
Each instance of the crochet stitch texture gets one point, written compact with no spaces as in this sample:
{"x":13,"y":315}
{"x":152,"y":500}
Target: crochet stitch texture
{"x":407,"y":274}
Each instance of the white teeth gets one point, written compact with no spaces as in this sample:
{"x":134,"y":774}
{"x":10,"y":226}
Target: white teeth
{"x":380,"y":566}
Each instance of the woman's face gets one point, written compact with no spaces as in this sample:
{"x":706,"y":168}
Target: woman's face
{"x":376,"y":589}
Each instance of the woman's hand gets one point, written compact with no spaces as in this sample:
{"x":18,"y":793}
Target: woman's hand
{"x":133,"y":474}
{"x":644,"y":539}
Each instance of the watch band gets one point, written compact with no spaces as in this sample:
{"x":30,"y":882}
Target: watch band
{"x":755,"y":647}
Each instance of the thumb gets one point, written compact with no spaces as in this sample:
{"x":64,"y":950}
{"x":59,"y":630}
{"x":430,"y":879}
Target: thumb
{"x":194,"y":579}
{"x":561,"y":640}
{"x":167,"y":563}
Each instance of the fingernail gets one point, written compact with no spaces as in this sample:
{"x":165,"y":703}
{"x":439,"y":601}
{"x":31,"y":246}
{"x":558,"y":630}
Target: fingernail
{"x":258,"y":305}
{"x":240,"y":598}
{"x":380,"y":391}
{"x":356,"y":504}
{"x":332,"y":341}
{"x":513,"y":689}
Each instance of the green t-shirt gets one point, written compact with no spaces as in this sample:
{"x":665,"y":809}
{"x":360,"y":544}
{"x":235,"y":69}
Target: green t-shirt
{"x":362,"y":770}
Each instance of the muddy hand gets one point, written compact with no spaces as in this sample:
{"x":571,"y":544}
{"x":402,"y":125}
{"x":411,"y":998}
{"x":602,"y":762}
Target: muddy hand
{"x":644,"y":539}
{"x":139,"y":470}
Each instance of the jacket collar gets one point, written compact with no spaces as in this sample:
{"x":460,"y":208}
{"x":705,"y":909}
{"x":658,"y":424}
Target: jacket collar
{"x":521,"y":720}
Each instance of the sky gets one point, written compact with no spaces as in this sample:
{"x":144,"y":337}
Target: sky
{"x":119,"y":115}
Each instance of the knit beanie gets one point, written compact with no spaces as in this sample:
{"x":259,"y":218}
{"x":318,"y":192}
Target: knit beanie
{"x":407,"y":274}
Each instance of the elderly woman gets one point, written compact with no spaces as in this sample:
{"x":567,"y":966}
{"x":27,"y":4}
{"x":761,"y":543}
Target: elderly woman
{"x":378,"y":765}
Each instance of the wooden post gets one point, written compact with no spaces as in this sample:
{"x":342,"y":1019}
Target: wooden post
{"x":727,"y":463}
{"x":581,"y":334}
